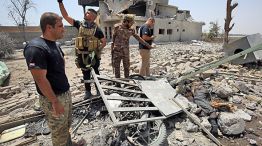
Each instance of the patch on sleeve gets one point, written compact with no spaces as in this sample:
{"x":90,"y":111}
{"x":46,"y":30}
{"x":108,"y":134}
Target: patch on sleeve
{"x":31,"y":65}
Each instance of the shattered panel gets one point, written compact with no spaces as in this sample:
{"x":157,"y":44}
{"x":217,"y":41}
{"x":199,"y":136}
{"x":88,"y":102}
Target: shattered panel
{"x":161,"y":94}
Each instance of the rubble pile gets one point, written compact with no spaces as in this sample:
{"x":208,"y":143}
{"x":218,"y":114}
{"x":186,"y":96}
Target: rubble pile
{"x":227,"y":101}
{"x":21,"y":101}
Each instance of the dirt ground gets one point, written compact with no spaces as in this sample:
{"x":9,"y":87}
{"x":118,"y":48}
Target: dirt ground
{"x":20,"y":73}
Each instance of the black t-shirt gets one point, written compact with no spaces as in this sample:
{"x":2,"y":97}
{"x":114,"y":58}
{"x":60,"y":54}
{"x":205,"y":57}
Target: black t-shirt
{"x":145,"y":30}
{"x":44,"y":54}
{"x":98,"y":34}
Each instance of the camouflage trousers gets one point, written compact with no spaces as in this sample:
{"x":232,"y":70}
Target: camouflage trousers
{"x":121,"y":53}
{"x":59,"y":126}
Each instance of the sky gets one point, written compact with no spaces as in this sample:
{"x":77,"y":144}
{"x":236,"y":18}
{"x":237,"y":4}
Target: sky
{"x":247,"y":16}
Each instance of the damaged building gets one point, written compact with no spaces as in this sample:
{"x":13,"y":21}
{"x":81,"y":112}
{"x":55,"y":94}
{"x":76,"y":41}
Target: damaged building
{"x":171,"y":24}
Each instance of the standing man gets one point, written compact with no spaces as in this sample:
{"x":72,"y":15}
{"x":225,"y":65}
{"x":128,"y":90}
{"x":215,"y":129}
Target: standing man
{"x":89,"y":44}
{"x":120,"y":45}
{"x":146,"y":32}
{"x":45,"y":60}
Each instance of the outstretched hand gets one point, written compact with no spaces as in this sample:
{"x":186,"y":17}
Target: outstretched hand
{"x":59,"y":1}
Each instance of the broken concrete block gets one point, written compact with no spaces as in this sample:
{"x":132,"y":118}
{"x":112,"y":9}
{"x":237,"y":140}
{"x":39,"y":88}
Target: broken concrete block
{"x":253,"y":98}
{"x":191,"y":127}
{"x":237,"y":100}
{"x":231,"y":123}
{"x":178,"y":125}
{"x":245,"y":116}
{"x":252,"y":142}
{"x":251,"y":106}
{"x":206,"y":123}
{"x":179,"y":135}
{"x":223,"y":90}
{"x":251,"y":113}
{"x":241,"y":86}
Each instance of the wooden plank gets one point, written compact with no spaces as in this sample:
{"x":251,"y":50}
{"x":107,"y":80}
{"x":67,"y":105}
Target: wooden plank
{"x":117,"y":81}
{"x":160,"y":92}
{"x":112,"y":115}
{"x":110,"y":97}
{"x":139,"y":120}
{"x":20,"y":122}
{"x":133,"y":109}
{"x":121,"y":89}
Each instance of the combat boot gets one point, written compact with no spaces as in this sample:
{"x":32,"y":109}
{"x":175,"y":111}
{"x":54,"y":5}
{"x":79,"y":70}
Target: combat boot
{"x":88,"y":95}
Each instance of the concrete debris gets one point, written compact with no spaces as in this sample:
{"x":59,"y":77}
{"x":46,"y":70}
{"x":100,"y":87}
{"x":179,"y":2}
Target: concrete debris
{"x":237,"y":100}
{"x":245,"y":116}
{"x":191,"y":127}
{"x":206,"y":123}
{"x":251,"y":106}
{"x":252,"y":142}
{"x":241,"y":86}
{"x":179,"y":135}
{"x":168,"y":60}
{"x":231,"y":123}
{"x":223,"y":90}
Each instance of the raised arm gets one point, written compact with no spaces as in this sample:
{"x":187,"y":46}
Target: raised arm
{"x":64,"y":13}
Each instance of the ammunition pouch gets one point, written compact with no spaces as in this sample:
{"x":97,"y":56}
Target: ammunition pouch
{"x":87,"y":46}
{"x":84,"y":42}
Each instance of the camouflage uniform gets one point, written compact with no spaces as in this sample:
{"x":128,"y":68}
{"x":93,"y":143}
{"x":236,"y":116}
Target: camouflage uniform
{"x":120,"y":51}
{"x":59,"y":126}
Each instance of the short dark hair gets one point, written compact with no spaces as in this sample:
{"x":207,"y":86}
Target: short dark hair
{"x":48,"y":18}
{"x":92,"y":10}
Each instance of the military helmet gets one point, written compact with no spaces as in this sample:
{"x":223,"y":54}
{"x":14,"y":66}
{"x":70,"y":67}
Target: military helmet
{"x":129,"y":18}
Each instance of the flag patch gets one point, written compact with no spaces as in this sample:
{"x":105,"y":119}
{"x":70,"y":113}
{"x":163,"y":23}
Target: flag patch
{"x":31,"y":64}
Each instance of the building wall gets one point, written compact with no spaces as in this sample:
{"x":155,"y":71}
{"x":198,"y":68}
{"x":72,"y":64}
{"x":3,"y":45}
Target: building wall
{"x":173,"y":30}
{"x":191,"y":31}
{"x":166,"y":11}
{"x":34,"y":31}
{"x":170,"y":25}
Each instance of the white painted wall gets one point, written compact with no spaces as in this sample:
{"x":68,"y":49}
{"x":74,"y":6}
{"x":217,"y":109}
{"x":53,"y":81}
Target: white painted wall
{"x":191,"y":31}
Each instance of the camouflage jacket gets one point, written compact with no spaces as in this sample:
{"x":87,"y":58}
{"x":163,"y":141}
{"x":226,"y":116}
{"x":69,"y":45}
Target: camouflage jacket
{"x":121,"y":36}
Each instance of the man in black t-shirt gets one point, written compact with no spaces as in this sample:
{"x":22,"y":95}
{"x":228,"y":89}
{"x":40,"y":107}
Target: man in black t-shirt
{"x":45,"y":60}
{"x":89,"y":33}
{"x":146,"y":33}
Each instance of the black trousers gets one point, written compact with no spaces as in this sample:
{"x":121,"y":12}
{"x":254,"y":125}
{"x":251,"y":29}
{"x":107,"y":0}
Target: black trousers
{"x":87,"y":73}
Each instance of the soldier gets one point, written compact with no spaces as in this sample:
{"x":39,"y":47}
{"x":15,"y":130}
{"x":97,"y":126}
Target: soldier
{"x":89,"y":43}
{"x":45,"y":60}
{"x":120,"y":45}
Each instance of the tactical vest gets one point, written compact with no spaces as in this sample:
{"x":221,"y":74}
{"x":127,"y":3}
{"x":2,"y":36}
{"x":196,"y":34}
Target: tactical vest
{"x":87,"y":45}
{"x":86,"y":39}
